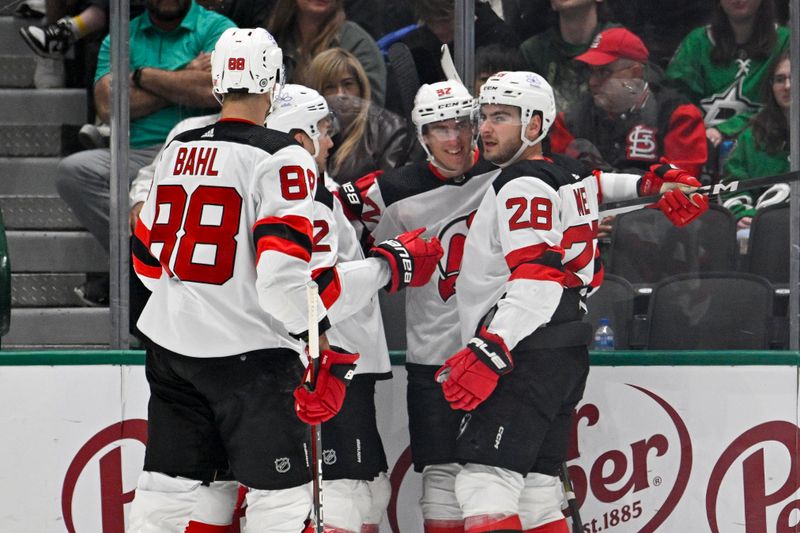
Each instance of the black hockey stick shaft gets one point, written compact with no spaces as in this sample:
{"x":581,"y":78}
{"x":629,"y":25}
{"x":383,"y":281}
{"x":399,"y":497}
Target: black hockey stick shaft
{"x":712,"y":190}
{"x":572,"y":502}
{"x":312,"y":293}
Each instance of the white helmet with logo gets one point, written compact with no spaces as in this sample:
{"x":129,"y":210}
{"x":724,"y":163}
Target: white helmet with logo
{"x":298,"y":108}
{"x":443,"y":100}
{"x":246,"y":60}
{"x":530,"y":93}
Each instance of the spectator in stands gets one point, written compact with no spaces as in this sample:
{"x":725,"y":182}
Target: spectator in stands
{"x":370,"y":137}
{"x":631,"y":123}
{"x":525,"y":16}
{"x":53,"y":40}
{"x":721,"y":66}
{"x":305,"y":28}
{"x":626,"y":123}
{"x":662,"y":24}
{"x":437,"y":27}
{"x":552,"y":52}
{"x":762,"y":149}
{"x":170,"y":47}
{"x":494,"y":58}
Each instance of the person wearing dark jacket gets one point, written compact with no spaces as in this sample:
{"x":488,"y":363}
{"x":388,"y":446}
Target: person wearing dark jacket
{"x":438,"y":28}
{"x":631,"y":122}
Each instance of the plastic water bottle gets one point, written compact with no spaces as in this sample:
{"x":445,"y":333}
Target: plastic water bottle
{"x":604,"y":337}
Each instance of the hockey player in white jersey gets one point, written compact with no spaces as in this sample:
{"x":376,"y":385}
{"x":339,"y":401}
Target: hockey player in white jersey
{"x":223,"y":242}
{"x":356,"y":486}
{"x":533,"y":257}
{"x":441,"y":194}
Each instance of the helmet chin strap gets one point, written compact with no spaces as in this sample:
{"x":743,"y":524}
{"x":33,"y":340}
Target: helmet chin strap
{"x":432,"y":160}
{"x":525,"y":144}
{"x":315,"y":140}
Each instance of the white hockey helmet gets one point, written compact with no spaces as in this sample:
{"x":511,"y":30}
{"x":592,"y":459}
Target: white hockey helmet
{"x":299,"y":108}
{"x":530,"y":93}
{"x":443,"y":100}
{"x":246,"y":60}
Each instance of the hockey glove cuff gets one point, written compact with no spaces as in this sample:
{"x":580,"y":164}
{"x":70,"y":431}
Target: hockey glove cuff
{"x":664,"y":177}
{"x":411,"y":258}
{"x":681,"y":209}
{"x":471,"y":375}
{"x":320,"y":403}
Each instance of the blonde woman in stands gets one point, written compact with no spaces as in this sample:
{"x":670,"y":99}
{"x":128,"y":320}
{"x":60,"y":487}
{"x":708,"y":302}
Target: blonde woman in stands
{"x":370,"y":137}
{"x":306,"y":28}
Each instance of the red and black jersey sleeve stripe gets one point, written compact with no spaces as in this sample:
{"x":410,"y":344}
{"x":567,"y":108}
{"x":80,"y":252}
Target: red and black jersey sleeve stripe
{"x":290,"y":234}
{"x":538,"y":262}
{"x":330,"y":287}
{"x":143,"y":261}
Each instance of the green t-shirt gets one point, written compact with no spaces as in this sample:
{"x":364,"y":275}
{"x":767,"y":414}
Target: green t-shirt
{"x":748,"y":161}
{"x":167,"y":50}
{"x":550,"y":56}
{"x":728,"y":94}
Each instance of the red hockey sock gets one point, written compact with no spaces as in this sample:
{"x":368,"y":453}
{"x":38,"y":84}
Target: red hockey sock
{"x":371,"y":528}
{"x":444,"y":526}
{"x":508,"y":524}
{"x":200,"y":527}
{"x":559,"y":526}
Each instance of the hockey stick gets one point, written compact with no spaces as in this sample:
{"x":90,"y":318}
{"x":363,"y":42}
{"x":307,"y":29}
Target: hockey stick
{"x":711,"y":190}
{"x":572,"y":502}
{"x":312,"y":292}
{"x":448,"y":67}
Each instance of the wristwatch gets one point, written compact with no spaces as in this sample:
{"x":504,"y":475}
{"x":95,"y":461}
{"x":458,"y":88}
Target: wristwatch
{"x":137,"y":77}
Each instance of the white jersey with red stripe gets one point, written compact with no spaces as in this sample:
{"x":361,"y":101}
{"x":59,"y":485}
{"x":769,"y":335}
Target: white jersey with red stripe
{"x":348,"y":285}
{"x":414,"y":196}
{"x":533,"y":241}
{"x":224,"y":242}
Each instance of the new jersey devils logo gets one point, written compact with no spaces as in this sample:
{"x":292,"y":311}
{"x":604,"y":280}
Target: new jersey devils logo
{"x":453,"y":236}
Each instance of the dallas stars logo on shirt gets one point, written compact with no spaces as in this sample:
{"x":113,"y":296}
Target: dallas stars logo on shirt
{"x":720,"y":107}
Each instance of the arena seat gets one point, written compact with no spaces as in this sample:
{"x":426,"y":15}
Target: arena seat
{"x":614,"y":301}
{"x":768,"y":248}
{"x":712,"y":311}
{"x":646,"y":247}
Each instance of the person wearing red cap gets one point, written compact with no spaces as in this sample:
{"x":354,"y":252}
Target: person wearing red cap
{"x":629,"y":122}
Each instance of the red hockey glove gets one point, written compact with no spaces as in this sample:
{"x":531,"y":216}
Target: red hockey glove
{"x":324,"y":401}
{"x":663,"y":177}
{"x":411,"y":258}
{"x":681,"y":209}
{"x":471,"y":375}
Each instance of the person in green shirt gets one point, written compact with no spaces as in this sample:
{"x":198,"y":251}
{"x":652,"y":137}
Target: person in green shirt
{"x":170,"y":80}
{"x":762,"y":149}
{"x":551,"y":53}
{"x":721,"y":66}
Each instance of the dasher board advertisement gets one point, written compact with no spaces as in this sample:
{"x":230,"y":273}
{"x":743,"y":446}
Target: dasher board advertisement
{"x":654,"y":448}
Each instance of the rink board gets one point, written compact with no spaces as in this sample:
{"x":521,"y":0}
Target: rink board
{"x":664,"y":442}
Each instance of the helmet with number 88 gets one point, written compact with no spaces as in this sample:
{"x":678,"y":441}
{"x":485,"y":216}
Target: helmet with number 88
{"x":246,"y":60}
{"x":526,"y":90}
{"x":299,"y":108}
{"x":443,"y":100}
